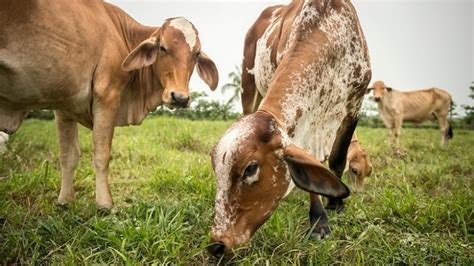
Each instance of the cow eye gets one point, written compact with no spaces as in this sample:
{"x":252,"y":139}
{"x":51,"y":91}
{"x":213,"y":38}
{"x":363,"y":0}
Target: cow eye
{"x":163,"y":49}
{"x":251,"y":169}
{"x":197,"y":54}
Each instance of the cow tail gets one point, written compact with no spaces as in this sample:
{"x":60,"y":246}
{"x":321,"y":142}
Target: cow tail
{"x":450,"y":131}
{"x":450,"y":128}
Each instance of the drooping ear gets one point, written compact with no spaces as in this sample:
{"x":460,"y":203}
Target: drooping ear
{"x":143,"y":55}
{"x":207,"y":70}
{"x":368,"y":90}
{"x":388,"y":88}
{"x":311,"y":175}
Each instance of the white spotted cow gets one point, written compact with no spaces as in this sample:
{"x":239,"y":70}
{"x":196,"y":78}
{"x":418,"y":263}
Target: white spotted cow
{"x":305,"y":71}
{"x":94,"y":65}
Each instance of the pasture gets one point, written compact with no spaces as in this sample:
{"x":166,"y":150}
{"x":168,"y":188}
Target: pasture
{"x":416,"y":209}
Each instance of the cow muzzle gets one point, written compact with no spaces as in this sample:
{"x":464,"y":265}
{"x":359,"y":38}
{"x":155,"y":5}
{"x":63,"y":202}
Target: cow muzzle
{"x":216,"y":249}
{"x":179,"y":100}
{"x":225,"y":244}
{"x":354,"y":171}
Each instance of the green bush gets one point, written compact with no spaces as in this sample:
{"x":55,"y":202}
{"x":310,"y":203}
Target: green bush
{"x":376,"y":122}
{"x":41,"y":114}
{"x":201,"y":109}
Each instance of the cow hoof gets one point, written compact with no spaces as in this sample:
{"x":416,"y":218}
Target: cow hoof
{"x":107,"y":206}
{"x":104,"y":203}
{"x":104,"y":211}
{"x":320,"y":233}
{"x":63,"y":205}
{"x":64,"y":201}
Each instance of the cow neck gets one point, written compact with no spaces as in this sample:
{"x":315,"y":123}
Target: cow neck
{"x":131,"y":32}
{"x":144,"y":79}
{"x":143,"y":91}
{"x":141,"y":96}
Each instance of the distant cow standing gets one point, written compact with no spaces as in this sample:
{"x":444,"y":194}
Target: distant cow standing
{"x":305,"y":71}
{"x":94,"y":65}
{"x":396,"y":107}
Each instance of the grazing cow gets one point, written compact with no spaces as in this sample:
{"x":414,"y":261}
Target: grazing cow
{"x":305,"y":71}
{"x":358,"y":164}
{"x":395,"y":107}
{"x":94,"y":65}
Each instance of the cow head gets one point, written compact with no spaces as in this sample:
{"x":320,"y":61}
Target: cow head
{"x":359,"y":166}
{"x":255,"y":165}
{"x":173,"y":51}
{"x":380,"y":90}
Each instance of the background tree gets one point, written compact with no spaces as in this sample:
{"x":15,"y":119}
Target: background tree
{"x":234,"y":85}
{"x":369,"y":113}
{"x":201,"y":109}
{"x":452,"y":110}
{"x":469,"y":118}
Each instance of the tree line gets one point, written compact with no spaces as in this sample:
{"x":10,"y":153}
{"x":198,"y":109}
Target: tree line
{"x":202,"y":108}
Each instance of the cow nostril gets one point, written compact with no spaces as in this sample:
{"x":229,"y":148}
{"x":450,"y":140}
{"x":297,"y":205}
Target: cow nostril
{"x":179,"y":99}
{"x":354,"y":171}
{"x":216,"y":249}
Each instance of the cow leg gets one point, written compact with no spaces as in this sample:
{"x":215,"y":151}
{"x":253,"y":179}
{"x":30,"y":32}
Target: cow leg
{"x":338,"y":157}
{"x":397,"y":127}
{"x":69,"y":154}
{"x":318,"y":218}
{"x":103,"y":131}
{"x":443,"y":127}
{"x":104,"y":110}
{"x":390,"y":125}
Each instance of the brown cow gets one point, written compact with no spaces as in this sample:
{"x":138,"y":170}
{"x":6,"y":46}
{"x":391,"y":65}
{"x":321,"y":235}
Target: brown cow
{"x":396,"y":107}
{"x":95,"y":65}
{"x":358,"y":164}
{"x":306,"y":69}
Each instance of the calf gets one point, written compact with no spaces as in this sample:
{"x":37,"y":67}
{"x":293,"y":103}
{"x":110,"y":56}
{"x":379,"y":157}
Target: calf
{"x":358,"y":164}
{"x":305,"y":71}
{"x":396,"y":107}
{"x":94,"y":65}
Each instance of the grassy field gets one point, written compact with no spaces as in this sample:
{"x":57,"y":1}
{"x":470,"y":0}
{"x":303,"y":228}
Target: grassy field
{"x":417,"y":209}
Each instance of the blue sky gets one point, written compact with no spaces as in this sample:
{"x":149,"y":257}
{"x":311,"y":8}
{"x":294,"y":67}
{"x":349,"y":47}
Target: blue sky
{"x":413,"y":44}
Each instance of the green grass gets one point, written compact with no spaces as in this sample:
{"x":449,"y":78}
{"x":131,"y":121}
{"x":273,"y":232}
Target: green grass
{"x":417,"y":209}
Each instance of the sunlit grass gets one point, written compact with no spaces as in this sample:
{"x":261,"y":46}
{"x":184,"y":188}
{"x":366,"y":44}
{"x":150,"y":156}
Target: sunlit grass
{"x":417,"y":208}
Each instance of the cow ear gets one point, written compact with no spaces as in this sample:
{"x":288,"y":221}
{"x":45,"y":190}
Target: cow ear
{"x":368,"y":90}
{"x":388,"y":88}
{"x":311,"y":175}
{"x":143,"y":55}
{"x":207,"y":70}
